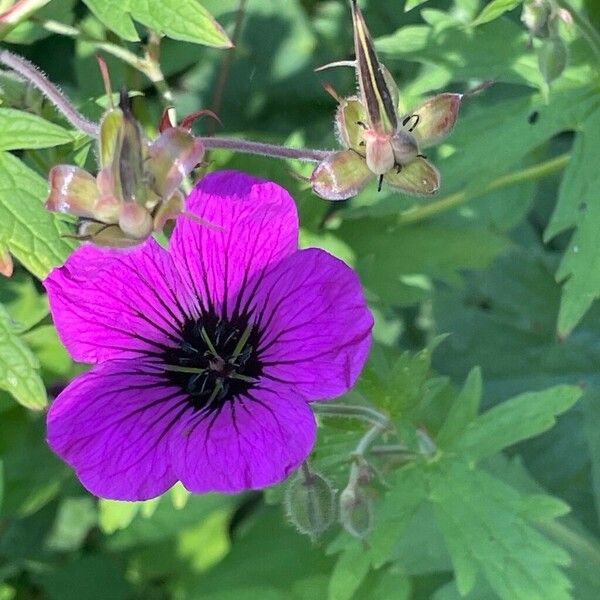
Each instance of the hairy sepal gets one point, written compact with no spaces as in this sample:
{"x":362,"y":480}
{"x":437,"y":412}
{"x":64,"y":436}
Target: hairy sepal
{"x":340,"y":176}
{"x":418,"y":178}
{"x":436,"y":118}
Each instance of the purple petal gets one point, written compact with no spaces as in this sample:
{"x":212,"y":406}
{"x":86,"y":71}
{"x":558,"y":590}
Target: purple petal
{"x":255,"y":225}
{"x":117,"y":304}
{"x":316,"y":324}
{"x":113,"y":426}
{"x":253,"y":442}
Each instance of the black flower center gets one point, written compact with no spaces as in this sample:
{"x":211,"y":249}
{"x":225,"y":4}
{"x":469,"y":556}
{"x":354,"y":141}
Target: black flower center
{"x":216,"y":361}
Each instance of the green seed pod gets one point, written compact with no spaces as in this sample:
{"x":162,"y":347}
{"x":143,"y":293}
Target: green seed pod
{"x":356,"y":512}
{"x":310,"y":503}
{"x":552,"y":58}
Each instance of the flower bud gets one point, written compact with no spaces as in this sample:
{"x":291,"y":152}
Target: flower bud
{"x":310,"y":503}
{"x":356,"y":512}
{"x":552,"y":58}
{"x":535,"y":16}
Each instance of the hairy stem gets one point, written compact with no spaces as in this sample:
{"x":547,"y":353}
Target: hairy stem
{"x":363,"y":413}
{"x":40,"y":81}
{"x":420,"y":213}
{"x":271,"y":150}
{"x":32,"y":74}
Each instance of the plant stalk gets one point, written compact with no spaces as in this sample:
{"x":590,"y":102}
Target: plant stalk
{"x":420,"y":213}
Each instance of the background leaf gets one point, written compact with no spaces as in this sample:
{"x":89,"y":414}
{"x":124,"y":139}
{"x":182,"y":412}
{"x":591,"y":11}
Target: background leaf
{"x":18,"y":366}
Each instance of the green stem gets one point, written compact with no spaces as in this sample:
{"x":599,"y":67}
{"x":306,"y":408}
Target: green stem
{"x":119,"y":52}
{"x":153,"y":70}
{"x":393,"y":450}
{"x":368,"y":439}
{"x":420,"y":213}
{"x":573,"y":540}
{"x":363,"y":413}
{"x":148,"y":65}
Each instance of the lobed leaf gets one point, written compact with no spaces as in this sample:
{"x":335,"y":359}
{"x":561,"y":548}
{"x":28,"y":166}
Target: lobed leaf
{"x":578,"y":206}
{"x":517,"y":419}
{"x":486,"y":533}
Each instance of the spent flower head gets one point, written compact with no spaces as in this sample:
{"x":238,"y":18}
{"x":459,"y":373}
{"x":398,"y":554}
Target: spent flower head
{"x":208,"y":354}
{"x":136,"y":190}
{"x":380,"y":142}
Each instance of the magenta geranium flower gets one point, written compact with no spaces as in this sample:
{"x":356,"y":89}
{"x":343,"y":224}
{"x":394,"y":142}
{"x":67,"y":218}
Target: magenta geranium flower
{"x":207,"y":354}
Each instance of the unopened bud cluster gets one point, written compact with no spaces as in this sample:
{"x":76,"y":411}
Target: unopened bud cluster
{"x":542,"y":19}
{"x":379,"y":141}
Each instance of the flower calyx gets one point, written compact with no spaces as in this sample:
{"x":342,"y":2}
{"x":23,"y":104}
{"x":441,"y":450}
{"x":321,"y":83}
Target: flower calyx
{"x":379,"y":141}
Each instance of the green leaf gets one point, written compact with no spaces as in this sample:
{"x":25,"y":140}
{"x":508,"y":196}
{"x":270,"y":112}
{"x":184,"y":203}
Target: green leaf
{"x":75,"y":518}
{"x":19,"y":130}
{"x":591,"y":407}
{"x":486,"y":533}
{"x":349,"y":571}
{"x":579,"y":206}
{"x":90,"y":576}
{"x":395,"y":511}
{"x":19,"y":366}
{"x":396,"y":385}
{"x":185,"y":20}
{"x":463,"y":410}
{"x":112,"y":14}
{"x":422,"y":253}
{"x":1,"y":484}
{"x":162,"y":522}
{"x":506,"y":314}
{"x":31,"y":233}
{"x":114,"y":515}
{"x":495,"y":9}
{"x":516,"y":419}
{"x":22,"y":300}
{"x":410,"y":4}
{"x":465,"y":54}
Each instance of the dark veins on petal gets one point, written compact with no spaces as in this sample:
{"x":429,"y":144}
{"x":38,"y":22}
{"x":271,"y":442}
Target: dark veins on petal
{"x":216,"y":360}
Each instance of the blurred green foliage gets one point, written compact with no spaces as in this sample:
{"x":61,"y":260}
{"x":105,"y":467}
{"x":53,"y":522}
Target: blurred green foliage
{"x":503,"y":500}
